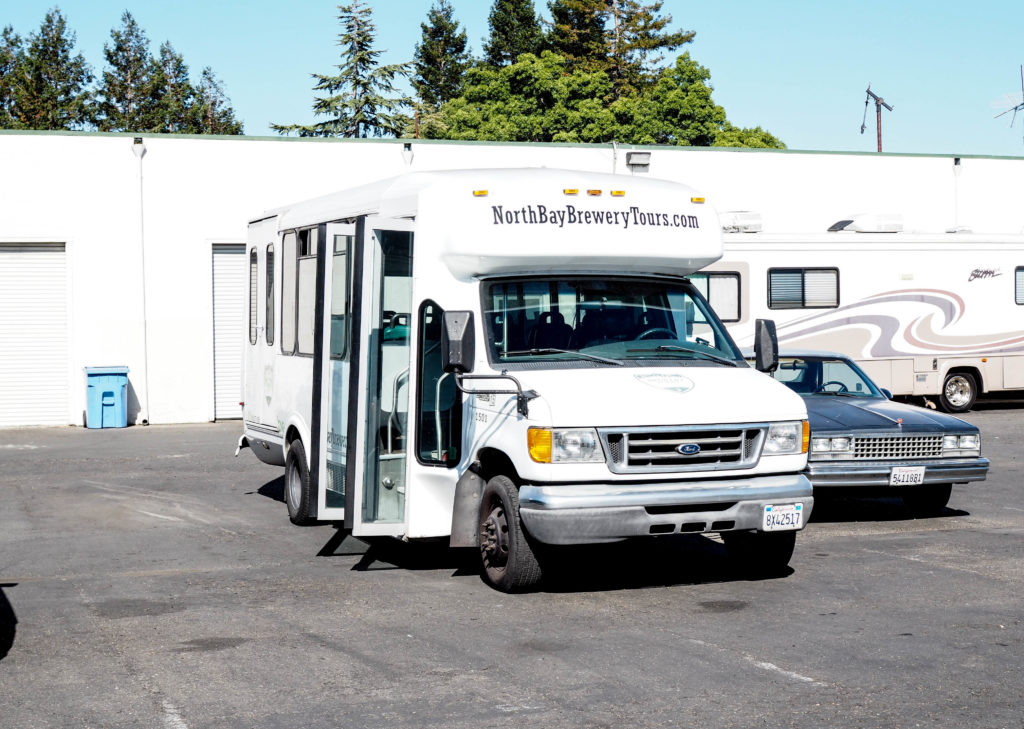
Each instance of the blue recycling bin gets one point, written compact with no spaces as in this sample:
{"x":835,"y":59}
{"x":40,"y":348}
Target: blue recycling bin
{"x":106,"y":390}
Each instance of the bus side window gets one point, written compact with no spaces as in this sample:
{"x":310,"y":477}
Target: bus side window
{"x":439,"y":435}
{"x":270,"y":295}
{"x":253,"y":293}
{"x":288,"y":281}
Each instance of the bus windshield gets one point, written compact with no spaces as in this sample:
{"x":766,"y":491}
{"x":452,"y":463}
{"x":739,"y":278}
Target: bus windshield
{"x":603,"y":321}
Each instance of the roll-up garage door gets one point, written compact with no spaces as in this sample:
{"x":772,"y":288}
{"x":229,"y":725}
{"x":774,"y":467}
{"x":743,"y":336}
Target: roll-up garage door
{"x":230,"y":279}
{"x":33,"y":335}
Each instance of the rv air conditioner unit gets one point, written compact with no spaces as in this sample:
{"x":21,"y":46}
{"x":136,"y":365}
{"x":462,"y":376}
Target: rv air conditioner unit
{"x":870,"y":223}
{"x":740,"y":221}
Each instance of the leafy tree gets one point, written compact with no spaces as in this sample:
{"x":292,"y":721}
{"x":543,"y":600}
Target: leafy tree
{"x":441,"y":58}
{"x":10,"y":59}
{"x":125,"y":98}
{"x":361,"y":98}
{"x":515,"y":30}
{"x":50,"y":88}
{"x":532,"y":100}
{"x":576,"y":32}
{"x":732,"y":136}
{"x":636,"y":37}
{"x":211,"y":113}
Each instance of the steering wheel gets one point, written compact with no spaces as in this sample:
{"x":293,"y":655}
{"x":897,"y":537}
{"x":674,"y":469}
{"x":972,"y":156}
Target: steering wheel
{"x":842,"y":387}
{"x":657,"y":330}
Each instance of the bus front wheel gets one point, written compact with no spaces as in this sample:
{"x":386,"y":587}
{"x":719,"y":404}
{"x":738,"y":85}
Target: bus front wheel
{"x":509,"y":562}
{"x":298,"y":493}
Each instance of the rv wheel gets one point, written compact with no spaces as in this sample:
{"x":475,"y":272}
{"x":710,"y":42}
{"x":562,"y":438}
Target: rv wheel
{"x":509,"y":563}
{"x":927,"y":500}
{"x":760,"y":554}
{"x":958,"y":392}
{"x":297,"y":490}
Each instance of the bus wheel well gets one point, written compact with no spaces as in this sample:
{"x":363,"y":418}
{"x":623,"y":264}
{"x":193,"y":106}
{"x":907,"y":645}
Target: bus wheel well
{"x":495,"y":463}
{"x":972,"y":371}
{"x":290,"y":436}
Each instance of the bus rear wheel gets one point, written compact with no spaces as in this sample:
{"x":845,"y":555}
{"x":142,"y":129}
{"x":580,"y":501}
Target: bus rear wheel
{"x":509,"y":562}
{"x":298,"y":492}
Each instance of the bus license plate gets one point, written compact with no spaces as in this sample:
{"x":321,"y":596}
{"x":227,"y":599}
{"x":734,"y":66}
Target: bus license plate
{"x":906,"y":476}
{"x":781,"y":517}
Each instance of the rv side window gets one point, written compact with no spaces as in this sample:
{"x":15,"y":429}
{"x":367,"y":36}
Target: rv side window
{"x":270,"y":294}
{"x":288,"y":294}
{"x":722,"y":291}
{"x":439,"y":431}
{"x":253,"y":294}
{"x":340,"y":296}
{"x":803,"y":288}
{"x":1019,"y":285}
{"x":307,"y":290}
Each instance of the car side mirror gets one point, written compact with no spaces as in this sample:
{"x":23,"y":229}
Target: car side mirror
{"x":766,"y":346}
{"x":458,"y":346}
{"x":886,"y":393}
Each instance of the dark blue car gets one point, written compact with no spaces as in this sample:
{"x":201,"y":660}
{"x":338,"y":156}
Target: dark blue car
{"x":861,"y":439}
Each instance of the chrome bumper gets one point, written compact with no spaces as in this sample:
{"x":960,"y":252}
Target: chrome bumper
{"x":876,"y":473}
{"x":588,"y":513}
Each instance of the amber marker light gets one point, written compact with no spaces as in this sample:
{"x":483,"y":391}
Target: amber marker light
{"x":539,"y":442}
{"x":697,"y":200}
{"x":571,"y":191}
{"x":618,"y":193}
{"x":594,"y":193}
{"x":807,"y":437}
{"x":479,"y":193}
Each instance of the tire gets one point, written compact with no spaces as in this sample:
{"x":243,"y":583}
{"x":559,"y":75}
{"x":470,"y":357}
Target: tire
{"x":760,"y":554}
{"x":508,"y":560}
{"x":927,"y":500}
{"x":959,"y":392}
{"x":298,"y":492}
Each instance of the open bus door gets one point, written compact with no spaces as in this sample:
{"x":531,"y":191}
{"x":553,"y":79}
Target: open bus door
{"x":364,"y":411}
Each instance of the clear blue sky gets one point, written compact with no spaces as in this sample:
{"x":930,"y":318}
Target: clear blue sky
{"x":798,"y":68}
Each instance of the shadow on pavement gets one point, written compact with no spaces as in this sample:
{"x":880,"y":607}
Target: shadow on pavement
{"x":840,"y":508}
{"x":8,"y":621}
{"x":273,"y":489}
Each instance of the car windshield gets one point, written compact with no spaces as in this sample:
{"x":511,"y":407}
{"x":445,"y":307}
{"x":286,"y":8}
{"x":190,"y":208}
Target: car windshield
{"x":604,"y":322}
{"x":824,"y":376}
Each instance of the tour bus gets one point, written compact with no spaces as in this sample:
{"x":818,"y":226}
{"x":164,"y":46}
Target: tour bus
{"x":938,"y":316}
{"x":515,"y":359}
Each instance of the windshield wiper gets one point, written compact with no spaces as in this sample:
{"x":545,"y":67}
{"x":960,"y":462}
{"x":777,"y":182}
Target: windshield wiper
{"x":552,"y":350}
{"x":699,"y":353}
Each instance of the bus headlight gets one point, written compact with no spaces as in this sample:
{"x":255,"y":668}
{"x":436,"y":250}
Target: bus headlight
{"x":787,"y":438}
{"x":564,"y":445}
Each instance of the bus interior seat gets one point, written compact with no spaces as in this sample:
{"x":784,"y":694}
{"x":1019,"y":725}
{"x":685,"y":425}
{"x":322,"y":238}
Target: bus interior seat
{"x":550,"y":331}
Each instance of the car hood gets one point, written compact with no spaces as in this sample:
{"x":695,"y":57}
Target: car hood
{"x":835,"y":412}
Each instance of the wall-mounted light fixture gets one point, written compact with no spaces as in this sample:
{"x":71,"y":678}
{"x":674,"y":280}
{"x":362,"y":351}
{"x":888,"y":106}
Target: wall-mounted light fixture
{"x":638,"y":161}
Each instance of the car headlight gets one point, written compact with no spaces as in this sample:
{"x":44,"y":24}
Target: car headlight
{"x":970,"y":442}
{"x":787,"y":438}
{"x":564,"y":445}
{"x":961,"y":443}
{"x":831,"y":445}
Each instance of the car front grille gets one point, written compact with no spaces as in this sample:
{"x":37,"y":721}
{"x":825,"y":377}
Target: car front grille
{"x":679,"y":449}
{"x":898,"y":446}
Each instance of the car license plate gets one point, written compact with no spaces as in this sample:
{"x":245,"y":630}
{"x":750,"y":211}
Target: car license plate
{"x":906,"y":476}
{"x":780,"y":517}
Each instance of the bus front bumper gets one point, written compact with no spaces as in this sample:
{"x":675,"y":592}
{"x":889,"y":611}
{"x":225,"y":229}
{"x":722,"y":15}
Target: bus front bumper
{"x":590,"y":513}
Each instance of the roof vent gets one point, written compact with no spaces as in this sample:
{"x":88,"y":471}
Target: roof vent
{"x":740,"y":221}
{"x":870,"y":223}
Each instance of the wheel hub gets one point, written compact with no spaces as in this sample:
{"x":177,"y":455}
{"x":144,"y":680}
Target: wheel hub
{"x":957,"y":391}
{"x":494,"y":538}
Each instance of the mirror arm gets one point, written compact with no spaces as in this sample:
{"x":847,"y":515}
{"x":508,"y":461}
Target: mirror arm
{"x":522,"y":397}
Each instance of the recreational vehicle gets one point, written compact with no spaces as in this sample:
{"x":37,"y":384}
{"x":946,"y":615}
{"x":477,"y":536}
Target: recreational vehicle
{"x":938,"y":316}
{"x":515,"y":359}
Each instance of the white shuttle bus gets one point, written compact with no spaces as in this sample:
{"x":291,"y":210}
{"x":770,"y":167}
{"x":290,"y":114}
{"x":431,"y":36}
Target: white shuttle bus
{"x":515,"y":359}
{"x":938,"y":316}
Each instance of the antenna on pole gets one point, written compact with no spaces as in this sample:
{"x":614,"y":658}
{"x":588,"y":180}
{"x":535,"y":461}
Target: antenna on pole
{"x":879,"y":103}
{"x":1018,"y":107}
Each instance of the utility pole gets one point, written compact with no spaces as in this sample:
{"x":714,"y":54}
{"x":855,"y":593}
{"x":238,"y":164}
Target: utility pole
{"x":879,"y":103}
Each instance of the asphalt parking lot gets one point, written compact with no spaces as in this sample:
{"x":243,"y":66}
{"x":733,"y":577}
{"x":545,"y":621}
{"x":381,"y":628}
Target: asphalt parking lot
{"x":150,"y":579}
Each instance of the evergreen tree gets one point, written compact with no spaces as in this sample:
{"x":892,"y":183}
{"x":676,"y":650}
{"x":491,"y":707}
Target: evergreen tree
{"x":171,"y":93}
{"x":10,"y":60}
{"x":441,"y":58}
{"x":636,"y":36}
{"x":212,"y":112}
{"x":576,"y":32}
{"x":515,"y":30}
{"x":362,"y":99}
{"x":50,"y":89}
{"x":125,"y":99}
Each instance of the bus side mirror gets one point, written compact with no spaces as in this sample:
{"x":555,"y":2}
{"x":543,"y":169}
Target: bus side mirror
{"x":458,"y":347}
{"x":766,"y":346}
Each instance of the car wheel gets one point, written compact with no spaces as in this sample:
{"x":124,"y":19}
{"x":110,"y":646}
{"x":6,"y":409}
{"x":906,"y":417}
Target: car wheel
{"x":297,"y":489}
{"x":760,"y":554}
{"x":509,"y":561}
{"x":927,"y":500}
{"x":958,"y":392}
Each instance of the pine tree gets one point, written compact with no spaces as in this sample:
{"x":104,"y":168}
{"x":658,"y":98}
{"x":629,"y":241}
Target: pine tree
{"x":636,"y":36}
{"x":50,"y":89}
{"x":212,"y":112}
{"x":125,"y":99}
{"x":515,"y":30}
{"x":172,"y":93}
{"x":441,"y":58}
{"x":576,"y":32}
{"x":362,"y":99}
{"x":10,"y":59}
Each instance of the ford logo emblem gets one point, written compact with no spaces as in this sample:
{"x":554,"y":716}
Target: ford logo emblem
{"x":688,"y":449}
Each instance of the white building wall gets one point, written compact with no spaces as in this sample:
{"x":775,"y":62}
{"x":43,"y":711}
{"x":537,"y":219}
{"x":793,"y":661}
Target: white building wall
{"x":84,"y":190}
